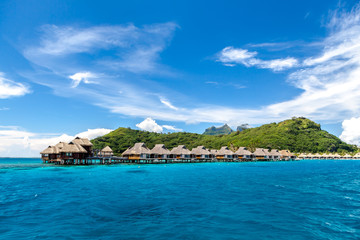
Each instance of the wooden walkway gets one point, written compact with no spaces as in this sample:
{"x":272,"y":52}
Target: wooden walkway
{"x":122,"y":160}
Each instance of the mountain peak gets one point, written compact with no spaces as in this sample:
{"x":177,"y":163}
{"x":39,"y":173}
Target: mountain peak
{"x":223,"y":130}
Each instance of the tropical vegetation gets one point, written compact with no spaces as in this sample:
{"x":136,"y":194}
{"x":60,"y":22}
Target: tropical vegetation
{"x":296,"y":134}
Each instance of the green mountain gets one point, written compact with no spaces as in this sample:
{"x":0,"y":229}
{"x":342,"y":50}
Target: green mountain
{"x":224,"y":130}
{"x":296,"y":134}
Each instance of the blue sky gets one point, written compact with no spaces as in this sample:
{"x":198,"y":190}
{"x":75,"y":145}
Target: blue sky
{"x":87,"y":67}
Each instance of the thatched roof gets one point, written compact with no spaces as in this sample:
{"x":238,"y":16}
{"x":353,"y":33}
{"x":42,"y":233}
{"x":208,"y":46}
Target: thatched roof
{"x":275,"y":152}
{"x":72,"y":148}
{"x":266,"y":151}
{"x":60,"y":145}
{"x":357,"y":155}
{"x":160,"y":149}
{"x":82,"y":141}
{"x":106,"y":149}
{"x":200,"y":150}
{"x":347,"y":155}
{"x":243,"y":151}
{"x":50,"y":150}
{"x":180,"y":150}
{"x":137,"y":149}
{"x":317,"y":155}
{"x":286,"y":153}
{"x":303,"y":155}
{"x":224,"y":151}
{"x":259,"y":152}
{"x":213,"y":151}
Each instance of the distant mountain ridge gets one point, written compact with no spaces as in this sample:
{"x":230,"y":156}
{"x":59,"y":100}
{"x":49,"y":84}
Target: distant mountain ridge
{"x":223,"y":130}
{"x":296,"y":135}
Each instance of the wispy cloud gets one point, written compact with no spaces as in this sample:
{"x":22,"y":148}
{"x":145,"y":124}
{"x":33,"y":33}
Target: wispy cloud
{"x":82,"y":77}
{"x":64,"y":40}
{"x":168,"y":104}
{"x":127,"y":47}
{"x":10,"y":88}
{"x":172,"y":128}
{"x":226,"y":84}
{"x":231,"y":56}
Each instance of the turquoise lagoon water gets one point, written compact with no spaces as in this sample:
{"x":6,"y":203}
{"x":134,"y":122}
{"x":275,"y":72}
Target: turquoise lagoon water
{"x":275,"y":200}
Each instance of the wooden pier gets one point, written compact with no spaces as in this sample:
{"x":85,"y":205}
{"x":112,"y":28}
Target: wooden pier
{"x":123,"y":160}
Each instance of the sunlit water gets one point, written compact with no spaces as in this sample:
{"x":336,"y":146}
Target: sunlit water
{"x":275,"y":200}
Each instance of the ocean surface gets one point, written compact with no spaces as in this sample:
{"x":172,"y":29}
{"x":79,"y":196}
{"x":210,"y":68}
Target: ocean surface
{"x":317,"y":199}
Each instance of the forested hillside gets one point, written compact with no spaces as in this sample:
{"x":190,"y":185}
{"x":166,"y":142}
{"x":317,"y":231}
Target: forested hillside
{"x":296,"y":134}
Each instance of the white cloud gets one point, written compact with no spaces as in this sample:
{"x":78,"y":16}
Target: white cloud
{"x":279,"y":64}
{"x":230,"y":56}
{"x":351,"y":131}
{"x":150,"y":125}
{"x":9,"y":88}
{"x":172,"y":128}
{"x":168,"y":104}
{"x":131,"y":48}
{"x":64,"y":40}
{"x":226,"y":84}
{"x":82,"y":77}
{"x":94,"y":133}
{"x":19,"y":143}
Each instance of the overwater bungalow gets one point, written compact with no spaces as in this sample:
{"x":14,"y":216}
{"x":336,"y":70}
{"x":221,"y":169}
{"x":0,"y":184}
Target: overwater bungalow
{"x":106,"y":152}
{"x":200,"y":152}
{"x":50,"y":154}
{"x":259,"y":154}
{"x":347,"y":156}
{"x":71,"y":153}
{"x":243,"y":154}
{"x":275,"y":154}
{"x":137,"y":152}
{"x":329,"y":156}
{"x":287,"y":155}
{"x":181,"y":152}
{"x":160,"y":152}
{"x":357,"y":156}
{"x":225,"y":154}
{"x":213,"y":153}
{"x":85,"y":143}
{"x":268,"y":154}
{"x":303,"y":156}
